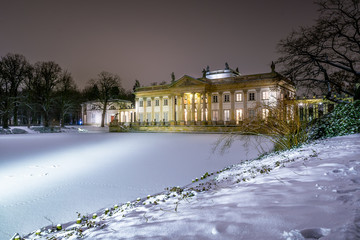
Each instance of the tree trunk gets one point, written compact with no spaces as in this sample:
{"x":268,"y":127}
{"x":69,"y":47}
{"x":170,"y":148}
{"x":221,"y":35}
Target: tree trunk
{"x":357,"y":93}
{"x":46,"y":120}
{"x":16,"y":108}
{"x":5,"y":120}
{"x":103,"y":117}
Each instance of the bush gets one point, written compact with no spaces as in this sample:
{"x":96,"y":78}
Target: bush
{"x":345,"y":119}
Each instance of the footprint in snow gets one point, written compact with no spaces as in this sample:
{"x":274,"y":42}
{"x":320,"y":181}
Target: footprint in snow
{"x":314,"y":233}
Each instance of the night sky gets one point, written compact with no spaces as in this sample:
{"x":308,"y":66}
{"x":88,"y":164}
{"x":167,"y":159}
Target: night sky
{"x":147,"y":40}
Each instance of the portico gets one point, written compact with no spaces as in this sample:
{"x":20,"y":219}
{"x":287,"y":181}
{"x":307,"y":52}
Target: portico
{"x":222,"y":98}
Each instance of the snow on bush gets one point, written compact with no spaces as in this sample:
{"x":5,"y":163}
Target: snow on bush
{"x":345,"y":119}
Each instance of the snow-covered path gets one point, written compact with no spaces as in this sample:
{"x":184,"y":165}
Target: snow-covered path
{"x":309,"y":193}
{"x":47,"y":178}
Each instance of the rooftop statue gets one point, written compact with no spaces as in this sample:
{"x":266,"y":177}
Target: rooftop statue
{"x":272,"y":66}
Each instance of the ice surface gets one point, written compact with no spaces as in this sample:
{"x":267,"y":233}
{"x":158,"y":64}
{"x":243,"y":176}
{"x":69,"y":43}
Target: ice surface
{"x":47,"y":178}
{"x":296,"y":195}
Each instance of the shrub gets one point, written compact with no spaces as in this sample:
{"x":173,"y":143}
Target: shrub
{"x":345,"y":119}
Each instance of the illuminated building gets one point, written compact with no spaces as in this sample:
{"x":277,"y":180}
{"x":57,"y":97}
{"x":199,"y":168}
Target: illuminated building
{"x":117,"y":109}
{"x":219,"y":98}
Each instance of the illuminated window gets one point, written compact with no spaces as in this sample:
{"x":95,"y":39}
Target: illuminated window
{"x":157,"y":102}
{"x":239,"y":97}
{"x":226,"y":115}
{"x":265,"y":95}
{"x":226,"y":98}
{"x":252,"y":96}
{"x":215,"y":115}
{"x":265,"y":114}
{"x":215,"y":98}
{"x":239,"y":115}
{"x":165,"y":102}
{"x":141,"y":103}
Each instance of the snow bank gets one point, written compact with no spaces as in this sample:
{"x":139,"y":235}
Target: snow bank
{"x":308,"y":193}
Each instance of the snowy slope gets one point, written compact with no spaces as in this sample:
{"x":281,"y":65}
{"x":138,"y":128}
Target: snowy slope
{"x":309,"y":193}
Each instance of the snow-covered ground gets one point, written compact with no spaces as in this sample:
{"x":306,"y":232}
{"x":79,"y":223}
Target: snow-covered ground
{"x":309,"y":193}
{"x":46,"y":178}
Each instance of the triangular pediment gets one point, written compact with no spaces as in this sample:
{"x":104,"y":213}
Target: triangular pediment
{"x":186,"y":81}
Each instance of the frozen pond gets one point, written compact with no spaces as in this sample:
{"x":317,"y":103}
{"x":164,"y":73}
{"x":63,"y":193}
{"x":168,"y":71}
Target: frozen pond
{"x":47,"y":178}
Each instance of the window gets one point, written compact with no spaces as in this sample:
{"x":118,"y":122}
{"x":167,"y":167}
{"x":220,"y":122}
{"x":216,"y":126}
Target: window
{"x":165,"y":102}
{"x":226,"y":98}
{"x":166,"y":117}
{"x":112,"y":108}
{"x":215,"y":115}
{"x":239,"y":97}
{"x":157,"y":117}
{"x":239,"y":115}
{"x":175,"y":101}
{"x":252,"y":96}
{"x":215,"y":98}
{"x":148,"y":103}
{"x":157,"y":102}
{"x":141,"y":103}
{"x":141,"y":117}
{"x":251,"y":113}
{"x":265,"y":95}
{"x":226,"y":115}
{"x":265,"y":114}
{"x":148,"y":117}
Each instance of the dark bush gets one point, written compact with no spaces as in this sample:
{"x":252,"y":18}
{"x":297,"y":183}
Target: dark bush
{"x":345,"y":119}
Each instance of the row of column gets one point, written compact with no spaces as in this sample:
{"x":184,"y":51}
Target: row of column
{"x":180,"y":113}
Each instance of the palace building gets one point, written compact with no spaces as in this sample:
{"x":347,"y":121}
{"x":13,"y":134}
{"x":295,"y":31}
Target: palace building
{"x":219,"y":98}
{"x":117,"y":109}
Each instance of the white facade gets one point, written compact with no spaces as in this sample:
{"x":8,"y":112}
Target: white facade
{"x":117,"y":110}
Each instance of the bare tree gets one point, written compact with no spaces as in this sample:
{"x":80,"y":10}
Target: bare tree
{"x":14,"y":69}
{"x":106,"y":84}
{"x":46,"y":78}
{"x":66,"y":96}
{"x":326,"y":56}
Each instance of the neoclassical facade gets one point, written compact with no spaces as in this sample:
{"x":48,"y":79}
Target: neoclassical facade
{"x":222,"y":97}
{"x":120,"y":110}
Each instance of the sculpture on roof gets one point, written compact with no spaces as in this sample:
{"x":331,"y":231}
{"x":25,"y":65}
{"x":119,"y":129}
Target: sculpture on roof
{"x":207,"y":68}
{"x":227,"y":66}
{"x":272,"y":66}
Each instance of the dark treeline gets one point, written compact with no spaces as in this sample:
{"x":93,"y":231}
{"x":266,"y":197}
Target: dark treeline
{"x":45,"y":94}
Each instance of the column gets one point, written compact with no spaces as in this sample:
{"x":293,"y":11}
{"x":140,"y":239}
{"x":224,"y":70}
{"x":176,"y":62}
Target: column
{"x":258,"y":103}
{"x":172,"y":109}
{"x":144,"y":112}
{"x":193,"y":108}
{"x":204,"y":108}
{"x":221,"y":111}
{"x":209,"y":96}
{"x":198,"y":107}
{"x":137,"y":110}
{"x":232,"y":107}
{"x":152,"y":109}
{"x":161,"y":117}
{"x":182,"y":107}
{"x":245,"y":111}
